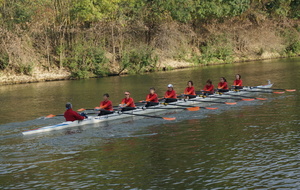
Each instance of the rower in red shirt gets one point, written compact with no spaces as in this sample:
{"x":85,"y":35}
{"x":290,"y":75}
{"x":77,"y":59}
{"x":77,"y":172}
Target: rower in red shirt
{"x":127,"y":103}
{"x":152,"y":98}
{"x":170,"y":95}
{"x":222,"y":86}
{"x":189,"y":91}
{"x":106,"y":106}
{"x":71,"y":115}
{"x":208,"y":88}
{"x":238,"y":83}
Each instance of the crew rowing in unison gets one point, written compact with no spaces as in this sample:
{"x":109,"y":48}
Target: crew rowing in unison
{"x":127,"y":103}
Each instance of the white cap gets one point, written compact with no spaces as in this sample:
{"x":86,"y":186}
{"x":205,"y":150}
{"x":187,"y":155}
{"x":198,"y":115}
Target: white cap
{"x":170,"y":86}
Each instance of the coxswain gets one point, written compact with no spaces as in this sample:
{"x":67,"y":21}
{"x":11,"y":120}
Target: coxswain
{"x":152,"y":98}
{"x":127,"y":102}
{"x":189,"y":91}
{"x":222,"y":86}
{"x":106,"y":106}
{"x":71,"y":115}
{"x":208,"y":88}
{"x":238,"y":83}
{"x":170,"y":95}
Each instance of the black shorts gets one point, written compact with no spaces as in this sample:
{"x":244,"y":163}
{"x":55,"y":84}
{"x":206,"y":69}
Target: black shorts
{"x":128,"y":108}
{"x":149,"y":104}
{"x":105,"y":112}
{"x":169,"y":100}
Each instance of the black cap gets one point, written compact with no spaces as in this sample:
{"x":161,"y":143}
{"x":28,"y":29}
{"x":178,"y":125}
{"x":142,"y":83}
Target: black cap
{"x":68,"y":105}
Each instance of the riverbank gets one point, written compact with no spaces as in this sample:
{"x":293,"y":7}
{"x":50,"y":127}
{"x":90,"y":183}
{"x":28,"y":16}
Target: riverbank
{"x":40,"y":76}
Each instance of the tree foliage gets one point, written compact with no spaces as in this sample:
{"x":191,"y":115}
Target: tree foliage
{"x":78,"y":34}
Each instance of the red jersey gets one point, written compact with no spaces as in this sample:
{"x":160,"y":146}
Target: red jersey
{"x":170,"y":94}
{"x":190,"y":91}
{"x":152,"y":98}
{"x":71,"y":115}
{"x":107,"y":105}
{"x":238,"y":83}
{"x":129,"y":102}
{"x":223,"y":85}
{"x":210,"y":88}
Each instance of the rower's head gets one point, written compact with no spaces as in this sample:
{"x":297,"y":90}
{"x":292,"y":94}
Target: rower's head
{"x":223,"y":79}
{"x":152,"y":90}
{"x":208,"y":82}
{"x":127,"y":94}
{"x":68,"y":105}
{"x":170,"y":87}
{"x":190,"y":83}
{"x":238,"y":77}
{"x":105,"y":96}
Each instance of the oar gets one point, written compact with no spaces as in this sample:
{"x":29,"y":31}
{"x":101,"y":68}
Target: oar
{"x":208,"y":108}
{"x":51,"y":115}
{"x":152,"y":116}
{"x":262,"y":91}
{"x":96,"y":108}
{"x":230,"y":98}
{"x":288,"y":90}
{"x":248,"y":97}
{"x":189,"y":109}
{"x":228,"y":103}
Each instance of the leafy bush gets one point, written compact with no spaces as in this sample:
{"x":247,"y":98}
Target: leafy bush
{"x":4,"y":61}
{"x":25,"y":68}
{"x":138,"y":60}
{"x":216,"y":49}
{"x":294,"y":48}
{"x":85,"y":60}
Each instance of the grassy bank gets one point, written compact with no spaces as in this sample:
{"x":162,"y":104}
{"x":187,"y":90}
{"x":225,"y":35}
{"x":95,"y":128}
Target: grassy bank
{"x":54,"y":39}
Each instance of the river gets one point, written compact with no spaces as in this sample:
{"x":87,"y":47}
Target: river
{"x":252,"y":145}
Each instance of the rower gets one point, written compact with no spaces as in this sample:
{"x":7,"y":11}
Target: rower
{"x":152,"y":99}
{"x":208,"y":88}
{"x":238,"y":83}
{"x":189,"y":91}
{"x":222,"y":86}
{"x":170,"y":95}
{"x":105,"y":106}
{"x":127,"y":103}
{"x":71,"y":115}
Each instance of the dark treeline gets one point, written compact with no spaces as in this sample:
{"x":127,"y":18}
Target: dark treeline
{"x":100,"y":37}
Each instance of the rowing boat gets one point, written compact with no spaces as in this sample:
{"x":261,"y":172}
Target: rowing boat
{"x":117,"y":117}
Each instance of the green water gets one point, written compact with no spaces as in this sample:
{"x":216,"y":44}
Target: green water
{"x":253,"y":145}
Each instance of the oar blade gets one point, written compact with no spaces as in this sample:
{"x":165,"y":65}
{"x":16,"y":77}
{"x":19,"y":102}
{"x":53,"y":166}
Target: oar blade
{"x":208,"y":108}
{"x":81,"y":109}
{"x":248,"y":99}
{"x":50,"y":116}
{"x":279,"y":92}
{"x":169,"y":118}
{"x":290,"y":90}
{"x":230,"y":103}
{"x":193,"y":109}
{"x":261,"y":98}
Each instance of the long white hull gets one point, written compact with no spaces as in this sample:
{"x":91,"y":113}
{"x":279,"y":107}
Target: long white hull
{"x":120,"y":118}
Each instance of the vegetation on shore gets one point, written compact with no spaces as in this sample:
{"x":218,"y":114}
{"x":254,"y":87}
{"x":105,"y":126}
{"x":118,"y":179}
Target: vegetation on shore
{"x":87,"y":38}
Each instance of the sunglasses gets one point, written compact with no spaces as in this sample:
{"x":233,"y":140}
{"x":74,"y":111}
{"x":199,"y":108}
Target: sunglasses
{"x":126,"y":94}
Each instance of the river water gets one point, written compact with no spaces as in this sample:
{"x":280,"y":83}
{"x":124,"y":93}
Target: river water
{"x":252,"y":145}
